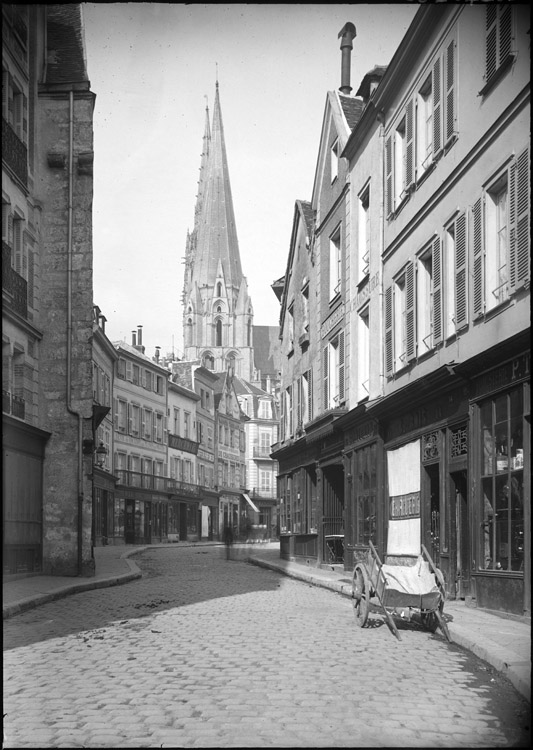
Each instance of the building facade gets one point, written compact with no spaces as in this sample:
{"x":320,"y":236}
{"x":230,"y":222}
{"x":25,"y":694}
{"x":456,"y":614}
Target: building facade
{"x":434,"y":267}
{"x":47,"y":305}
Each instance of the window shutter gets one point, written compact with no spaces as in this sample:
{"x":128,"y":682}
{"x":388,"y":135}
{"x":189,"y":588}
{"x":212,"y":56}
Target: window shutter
{"x":282,"y":421}
{"x":409,"y":145}
{"x":291,"y":409}
{"x":437,"y":291}
{"x":325,"y":376}
{"x":25,"y":119}
{"x":5,"y":94}
{"x":130,"y":420}
{"x":491,"y":61}
{"x":388,"y":175}
{"x":310,"y":395}
{"x":506,"y":33}
{"x":410,"y":337}
{"x":299,"y":407}
{"x":461,"y":286}
{"x":342,"y":394}
{"x":449,"y":118}
{"x":115,"y":406}
{"x":17,"y":241}
{"x":519,"y":243}
{"x":129,"y":371}
{"x":477,"y":246}
{"x":388,"y":332}
{"x":437,"y":107}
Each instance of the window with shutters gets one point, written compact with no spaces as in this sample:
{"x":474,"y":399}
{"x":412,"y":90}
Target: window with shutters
{"x":290,"y":329}
{"x":15,"y":105}
{"x":424,"y":127}
{"x":335,"y":264}
{"x":363,"y":250}
{"x":121,"y":368}
{"x":499,"y":42}
{"x":500,"y":237}
{"x":147,"y":424}
{"x":399,"y":323}
{"x":136,"y":374}
{"x":454,"y":277}
{"x":186,"y":424}
{"x":158,"y":429}
{"x":288,"y":412}
{"x":429,"y":297}
{"x":307,"y":397}
{"x":400,"y":163}
{"x":122,"y":415}
{"x":363,"y":354}
{"x":135,"y":420}
{"x":333,"y":373}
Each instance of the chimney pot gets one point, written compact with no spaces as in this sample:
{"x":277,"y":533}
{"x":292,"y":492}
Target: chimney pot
{"x":347,"y":34}
{"x":139,"y":335}
{"x":133,"y":338}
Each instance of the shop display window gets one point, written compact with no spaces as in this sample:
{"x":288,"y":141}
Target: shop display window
{"x":502,"y":479}
{"x":366,"y":487}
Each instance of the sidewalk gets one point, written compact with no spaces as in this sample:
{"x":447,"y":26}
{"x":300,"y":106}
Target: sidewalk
{"x":502,"y":641}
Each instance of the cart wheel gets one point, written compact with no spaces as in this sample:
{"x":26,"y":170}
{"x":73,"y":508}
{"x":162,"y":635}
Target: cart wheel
{"x":360,"y":594}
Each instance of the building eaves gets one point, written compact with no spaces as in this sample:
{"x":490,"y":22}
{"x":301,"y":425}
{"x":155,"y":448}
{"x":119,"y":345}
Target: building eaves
{"x":133,"y":352}
{"x":352,"y":109}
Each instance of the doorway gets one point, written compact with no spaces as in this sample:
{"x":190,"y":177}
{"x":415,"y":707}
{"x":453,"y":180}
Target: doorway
{"x":459,"y":533}
{"x":431,"y":537}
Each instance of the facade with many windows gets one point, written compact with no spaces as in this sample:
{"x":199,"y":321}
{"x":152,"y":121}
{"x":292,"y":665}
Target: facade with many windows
{"x":47,"y":306}
{"x":422,"y":436}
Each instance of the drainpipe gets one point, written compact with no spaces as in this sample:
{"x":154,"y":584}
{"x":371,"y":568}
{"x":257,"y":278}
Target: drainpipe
{"x":69,"y":328}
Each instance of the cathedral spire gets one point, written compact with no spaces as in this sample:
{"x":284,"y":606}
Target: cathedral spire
{"x":218,"y":312}
{"x":217,"y":232}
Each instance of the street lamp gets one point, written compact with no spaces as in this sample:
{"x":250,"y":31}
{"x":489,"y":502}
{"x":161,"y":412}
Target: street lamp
{"x":100,"y":455}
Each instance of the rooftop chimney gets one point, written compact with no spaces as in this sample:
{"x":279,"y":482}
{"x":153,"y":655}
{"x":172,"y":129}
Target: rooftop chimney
{"x":133,"y":338}
{"x":347,"y":34}
{"x":140,"y":335}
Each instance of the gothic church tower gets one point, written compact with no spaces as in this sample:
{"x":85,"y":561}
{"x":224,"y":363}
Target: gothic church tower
{"x":217,"y":310}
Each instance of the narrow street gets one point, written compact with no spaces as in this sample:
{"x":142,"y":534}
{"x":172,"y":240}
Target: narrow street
{"x":205,"y":652}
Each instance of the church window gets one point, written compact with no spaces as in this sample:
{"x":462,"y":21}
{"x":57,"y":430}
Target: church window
{"x":219,"y":309}
{"x":249,"y":334}
{"x":219,"y":289}
{"x":217,"y":330}
{"x":188,"y":333}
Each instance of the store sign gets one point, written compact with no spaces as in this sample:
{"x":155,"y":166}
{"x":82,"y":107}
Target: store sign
{"x":331,"y":322}
{"x":503,"y":376}
{"x":182,"y":444}
{"x":405,"y":506}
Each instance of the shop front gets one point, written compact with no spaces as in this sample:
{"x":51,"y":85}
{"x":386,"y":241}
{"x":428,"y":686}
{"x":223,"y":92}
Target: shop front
{"x":105,"y":529}
{"x":500,"y":403}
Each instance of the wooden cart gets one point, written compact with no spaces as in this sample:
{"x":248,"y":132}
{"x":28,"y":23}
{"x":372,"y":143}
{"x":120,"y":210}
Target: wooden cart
{"x":397,"y":589}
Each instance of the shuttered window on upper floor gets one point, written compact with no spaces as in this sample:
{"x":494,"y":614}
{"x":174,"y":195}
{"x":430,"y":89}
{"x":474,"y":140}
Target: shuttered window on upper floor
{"x":499,"y":42}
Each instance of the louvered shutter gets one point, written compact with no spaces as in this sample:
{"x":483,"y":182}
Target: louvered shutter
{"x":436,"y":86}
{"x":506,"y":33}
{"x":25,"y":119}
{"x":461,"y":277}
{"x":130,"y":420}
{"x":5,"y":95}
{"x":310,"y":395}
{"x":409,"y":144}
{"x":291,"y":409}
{"x":325,"y":377}
{"x":388,"y":176}
{"x":342,"y":394}
{"x":17,"y":243}
{"x":299,"y":407}
{"x":410,"y":323}
{"x":129,"y":371}
{"x":477,"y":252}
{"x":388,"y":332}
{"x":519,"y":242}
{"x":491,"y":61}
{"x":449,"y":117}
{"x":282,"y":415}
{"x":115,"y":406}
{"x":436,"y":282}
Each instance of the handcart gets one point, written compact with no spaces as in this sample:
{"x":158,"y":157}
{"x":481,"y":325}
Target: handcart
{"x":397,"y":589}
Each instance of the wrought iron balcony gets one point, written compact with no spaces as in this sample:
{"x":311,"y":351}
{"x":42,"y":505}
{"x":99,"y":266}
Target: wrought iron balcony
{"x":262,"y":452}
{"x":14,"y":405}
{"x":14,"y":286}
{"x":14,"y":153}
{"x":149,"y":482}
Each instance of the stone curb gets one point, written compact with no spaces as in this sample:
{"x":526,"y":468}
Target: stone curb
{"x":517,"y":673}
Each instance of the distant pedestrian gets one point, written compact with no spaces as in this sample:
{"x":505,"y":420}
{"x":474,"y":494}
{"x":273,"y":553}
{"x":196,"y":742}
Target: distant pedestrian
{"x":228,"y":540}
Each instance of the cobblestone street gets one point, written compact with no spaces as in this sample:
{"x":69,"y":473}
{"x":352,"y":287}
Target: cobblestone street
{"x":205,"y":652}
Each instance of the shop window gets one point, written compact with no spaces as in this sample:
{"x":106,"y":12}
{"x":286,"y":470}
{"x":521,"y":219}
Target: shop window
{"x":502,"y":479}
{"x":364,"y":480}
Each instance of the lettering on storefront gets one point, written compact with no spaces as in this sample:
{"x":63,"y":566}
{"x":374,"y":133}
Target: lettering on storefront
{"x":366,"y":291}
{"x":503,"y":376}
{"x":405,"y":506}
{"x":182,"y":444}
{"x":205,"y":455}
{"x":332,"y":321}
{"x":228,"y":454}
{"x":360,"y":433}
{"x":448,"y":406}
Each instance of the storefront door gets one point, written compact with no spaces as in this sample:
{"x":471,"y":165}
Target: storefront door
{"x":148,"y":523}
{"x":459,"y":533}
{"x":129,"y":527}
{"x":431,"y":513}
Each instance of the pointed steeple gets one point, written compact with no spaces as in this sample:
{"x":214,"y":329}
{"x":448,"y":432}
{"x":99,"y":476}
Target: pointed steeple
{"x":217,"y":231}
{"x":218,"y":313}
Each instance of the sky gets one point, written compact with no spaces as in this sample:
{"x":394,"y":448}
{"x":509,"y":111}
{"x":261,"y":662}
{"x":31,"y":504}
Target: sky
{"x":153,"y":68}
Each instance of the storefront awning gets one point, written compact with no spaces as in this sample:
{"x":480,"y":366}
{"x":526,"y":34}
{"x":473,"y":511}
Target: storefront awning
{"x":250,"y":503}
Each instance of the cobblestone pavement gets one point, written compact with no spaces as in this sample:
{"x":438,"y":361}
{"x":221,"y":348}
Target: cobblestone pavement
{"x":205,"y":652}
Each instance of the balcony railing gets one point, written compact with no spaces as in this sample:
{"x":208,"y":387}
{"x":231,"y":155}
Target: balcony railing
{"x":14,"y":152}
{"x":14,"y":405}
{"x":162,"y":484}
{"x":262,"y":452}
{"x":13,"y":285}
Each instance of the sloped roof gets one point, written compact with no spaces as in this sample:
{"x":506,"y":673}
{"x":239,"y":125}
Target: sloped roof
{"x":352,"y":109}
{"x":243,"y":387}
{"x":267,"y":350}
{"x":65,"y":62}
{"x":131,"y":350}
{"x":308,"y":215}
{"x":376,"y":74}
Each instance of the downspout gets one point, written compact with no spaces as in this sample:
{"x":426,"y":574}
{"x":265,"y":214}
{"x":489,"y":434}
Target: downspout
{"x":69,"y":327}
